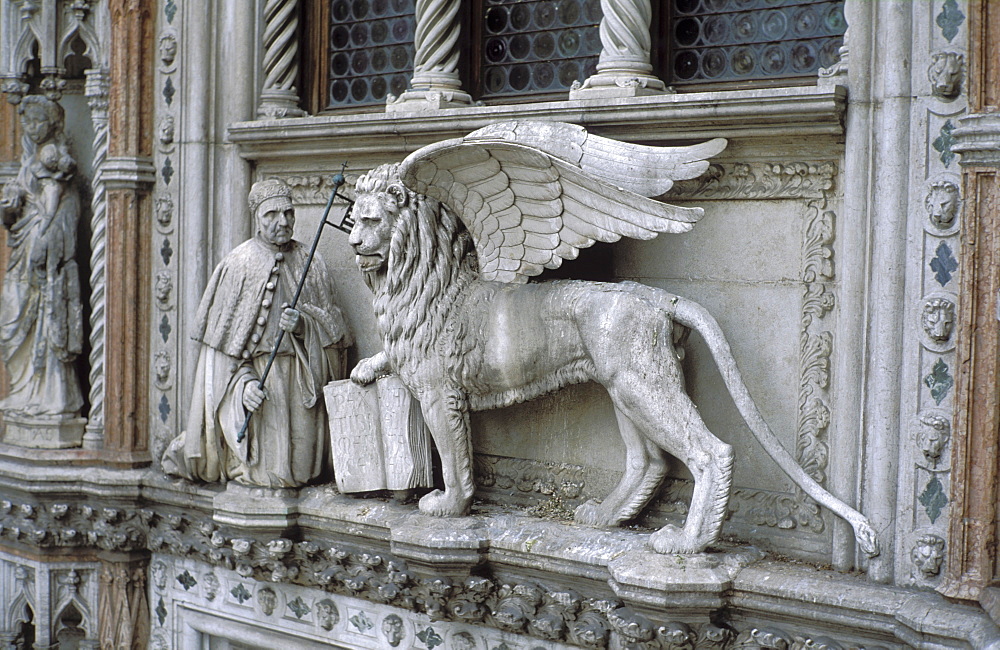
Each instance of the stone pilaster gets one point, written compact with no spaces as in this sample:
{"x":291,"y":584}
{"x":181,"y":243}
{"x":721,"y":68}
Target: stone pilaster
{"x":280,"y":96}
{"x":971,"y":571}
{"x":128,"y":176}
{"x":624,"y":69}
{"x":435,"y":82}
{"x":10,"y":152}
{"x":123,"y":608}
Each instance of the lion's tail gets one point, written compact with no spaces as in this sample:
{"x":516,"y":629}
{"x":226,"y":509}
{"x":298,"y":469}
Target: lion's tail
{"x":693,"y":315}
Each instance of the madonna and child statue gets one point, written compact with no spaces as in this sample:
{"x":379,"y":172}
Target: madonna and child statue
{"x":41,"y":326}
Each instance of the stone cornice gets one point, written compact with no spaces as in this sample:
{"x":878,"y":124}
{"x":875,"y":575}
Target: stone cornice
{"x":978,"y":140}
{"x":765,"y":113}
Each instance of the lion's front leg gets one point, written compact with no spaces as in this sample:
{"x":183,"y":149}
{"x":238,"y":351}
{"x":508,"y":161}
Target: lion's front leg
{"x":447,"y":417}
{"x":370,"y":369}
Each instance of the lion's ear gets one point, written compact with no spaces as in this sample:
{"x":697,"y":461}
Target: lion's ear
{"x":398,"y":193}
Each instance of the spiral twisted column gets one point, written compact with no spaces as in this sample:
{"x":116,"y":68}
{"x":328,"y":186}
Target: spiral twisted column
{"x":435,"y":82}
{"x":280,"y":96}
{"x":97,"y":99}
{"x":623,"y":68}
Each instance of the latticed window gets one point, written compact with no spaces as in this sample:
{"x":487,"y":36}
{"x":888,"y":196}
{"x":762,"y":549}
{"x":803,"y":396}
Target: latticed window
{"x":531,"y":47}
{"x":515,"y":49}
{"x":736,"y":40}
{"x":371,"y":51}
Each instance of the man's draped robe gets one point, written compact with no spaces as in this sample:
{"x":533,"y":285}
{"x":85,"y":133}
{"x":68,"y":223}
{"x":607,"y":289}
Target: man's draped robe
{"x":237,"y":324}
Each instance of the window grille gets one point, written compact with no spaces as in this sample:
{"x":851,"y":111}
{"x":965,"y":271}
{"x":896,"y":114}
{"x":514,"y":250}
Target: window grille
{"x":735,"y":40}
{"x":534,"y":47}
{"x":371,"y":50}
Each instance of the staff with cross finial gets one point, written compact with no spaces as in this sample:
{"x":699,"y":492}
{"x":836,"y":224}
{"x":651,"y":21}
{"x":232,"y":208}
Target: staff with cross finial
{"x":345,"y":226}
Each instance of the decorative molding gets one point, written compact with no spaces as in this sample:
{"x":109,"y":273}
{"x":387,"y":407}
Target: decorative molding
{"x":529,"y":476}
{"x":759,"y":180}
{"x":123,"y":609}
{"x":309,"y":142}
{"x":311,"y":189}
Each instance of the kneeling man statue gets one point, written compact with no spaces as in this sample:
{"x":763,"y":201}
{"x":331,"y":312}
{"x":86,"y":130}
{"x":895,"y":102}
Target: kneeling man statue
{"x":241,"y":313}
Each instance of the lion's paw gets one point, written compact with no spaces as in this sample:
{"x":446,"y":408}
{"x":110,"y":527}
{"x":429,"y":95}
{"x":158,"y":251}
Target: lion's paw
{"x":586,"y":513}
{"x":442,"y":504}
{"x":671,"y":539}
{"x":364,"y":373}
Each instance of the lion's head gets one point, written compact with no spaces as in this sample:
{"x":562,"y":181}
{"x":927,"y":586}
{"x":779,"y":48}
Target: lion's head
{"x":942,"y":204}
{"x":411,"y":249}
{"x":380,"y":199}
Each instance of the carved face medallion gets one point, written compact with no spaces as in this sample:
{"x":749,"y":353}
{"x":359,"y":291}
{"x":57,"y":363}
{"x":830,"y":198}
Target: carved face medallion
{"x":166,"y":130}
{"x":164,"y":210}
{"x":938,"y":319}
{"x":327,"y":614}
{"x":168,"y":48}
{"x":942,"y":204}
{"x":267,"y":600}
{"x":927,"y":555}
{"x":945,"y":74}
{"x":276,"y":220}
{"x":935,"y":431}
{"x":392,"y":629}
{"x":161,"y":365}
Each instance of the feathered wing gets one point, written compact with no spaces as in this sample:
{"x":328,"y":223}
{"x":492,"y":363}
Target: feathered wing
{"x":532,"y":194}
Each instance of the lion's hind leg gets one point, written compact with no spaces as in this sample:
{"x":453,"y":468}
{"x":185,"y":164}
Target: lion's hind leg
{"x":672,"y":422}
{"x":645,"y":468}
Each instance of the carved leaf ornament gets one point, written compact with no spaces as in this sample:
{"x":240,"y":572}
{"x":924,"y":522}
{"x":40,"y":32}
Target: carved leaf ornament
{"x":525,"y":192}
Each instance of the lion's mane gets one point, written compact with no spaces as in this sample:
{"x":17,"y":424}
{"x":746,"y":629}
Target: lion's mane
{"x":431,"y":261}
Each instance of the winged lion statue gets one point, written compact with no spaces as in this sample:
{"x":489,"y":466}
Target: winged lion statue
{"x":448,"y":239}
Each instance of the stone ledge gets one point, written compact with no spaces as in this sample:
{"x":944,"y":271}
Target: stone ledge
{"x":786,"y":112}
{"x":511,"y":547}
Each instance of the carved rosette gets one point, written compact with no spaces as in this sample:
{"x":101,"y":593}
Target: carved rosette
{"x":280,"y":98}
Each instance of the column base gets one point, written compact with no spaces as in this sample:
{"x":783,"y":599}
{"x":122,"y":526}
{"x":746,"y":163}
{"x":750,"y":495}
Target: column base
{"x":604,"y":86}
{"x":43,"y":432}
{"x":427,"y":100}
{"x":278,"y":104}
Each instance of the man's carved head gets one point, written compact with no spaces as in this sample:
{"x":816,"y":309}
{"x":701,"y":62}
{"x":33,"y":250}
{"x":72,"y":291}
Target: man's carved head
{"x":938,"y":319}
{"x":380,"y":198}
{"x":942,"y":204}
{"x":271,"y":204}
